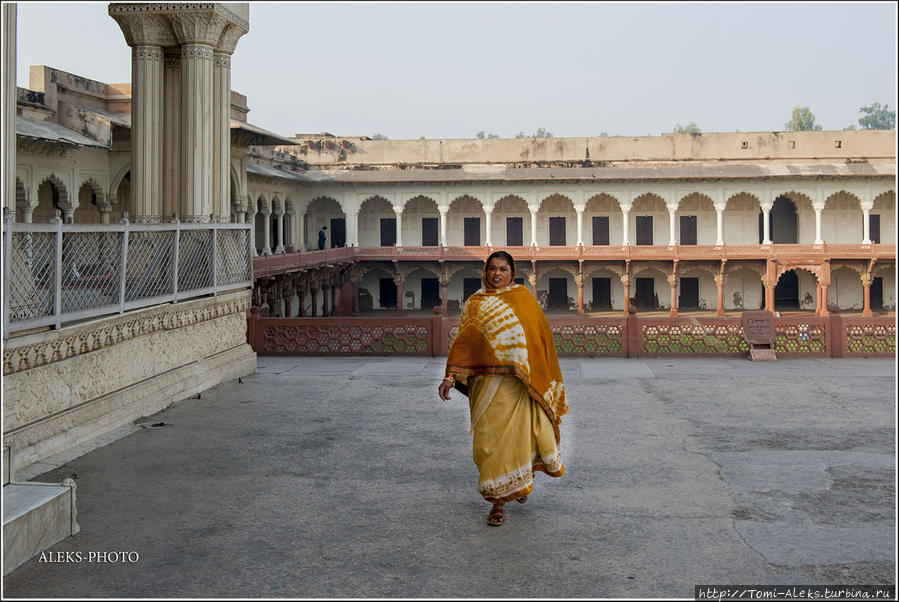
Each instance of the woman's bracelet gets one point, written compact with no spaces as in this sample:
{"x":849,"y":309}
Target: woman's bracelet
{"x":450,"y":379}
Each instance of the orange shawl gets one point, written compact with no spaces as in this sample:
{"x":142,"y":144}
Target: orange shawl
{"x":504,"y":331}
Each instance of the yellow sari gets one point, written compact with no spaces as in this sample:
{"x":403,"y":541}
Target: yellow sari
{"x":504,"y":359}
{"x":513,"y":438}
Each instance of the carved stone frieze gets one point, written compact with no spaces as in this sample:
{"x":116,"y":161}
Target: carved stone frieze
{"x":48,"y":390}
{"x":202,"y":51}
{"x":147,"y":53}
{"x":28,"y":356}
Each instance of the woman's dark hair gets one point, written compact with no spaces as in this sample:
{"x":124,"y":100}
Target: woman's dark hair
{"x":501,"y":255}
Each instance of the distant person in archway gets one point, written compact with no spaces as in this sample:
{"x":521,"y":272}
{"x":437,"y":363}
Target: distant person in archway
{"x":505,"y":361}
{"x":322,"y":238}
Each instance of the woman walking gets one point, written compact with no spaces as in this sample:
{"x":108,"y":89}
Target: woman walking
{"x":504,"y":359}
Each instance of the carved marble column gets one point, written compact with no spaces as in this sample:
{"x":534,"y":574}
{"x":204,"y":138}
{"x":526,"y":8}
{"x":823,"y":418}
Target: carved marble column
{"x":719,"y":224}
{"x":9,"y":96}
{"x":444,"y":286}
{"x":766,"y":226}
{"x":866,"y":223}
{"x":720,"y":280}
{"x":580,"y":228}
{"x":672,"y":285}
{"x":443,"y":213}
{"x":221,"y":133}
{"x":672,"y":239}
{"x":146,"y":133}
{"x":399,"y":226}
{"x":355,"y":280}
{"x":626,"y":283}
{"x":267,"y":232}
{"x":818,"y":209}
{"x":625,"y":241}
{"x":196,"y":132}
{"x":280,"y":226}
{"x":171,"y":157}
{"x":867,"y":281}
{"x":579,"y":280}
{"x":824,"y":310}
{"x":488,"y":224}
{"x":533,"y":229}
{"x":324,"y":287}
{"x":398,"y":280}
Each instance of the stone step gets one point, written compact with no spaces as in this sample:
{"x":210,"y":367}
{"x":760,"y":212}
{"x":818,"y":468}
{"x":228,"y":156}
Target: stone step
{"x":35,"y":517}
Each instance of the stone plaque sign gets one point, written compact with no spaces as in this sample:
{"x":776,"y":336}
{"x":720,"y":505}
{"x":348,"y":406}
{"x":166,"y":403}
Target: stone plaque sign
{"x":758,"y":330}
{"x":758,"y":327}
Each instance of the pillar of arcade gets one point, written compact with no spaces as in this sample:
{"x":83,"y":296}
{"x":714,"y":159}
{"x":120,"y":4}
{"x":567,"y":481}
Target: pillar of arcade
{"x":181,"y":102}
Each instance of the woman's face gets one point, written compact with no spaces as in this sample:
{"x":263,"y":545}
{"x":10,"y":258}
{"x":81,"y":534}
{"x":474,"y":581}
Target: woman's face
{"x":499,"y":273}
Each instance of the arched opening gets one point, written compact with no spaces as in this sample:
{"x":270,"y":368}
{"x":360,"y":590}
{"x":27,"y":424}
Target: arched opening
{"x":602,"y":223}
{"x":466,"y":222}
{"x":511,"y":222}
{"x":649,"y":220}
{"x":841,"y":219}
{"x":557,"y":222}
{"x":786,"y":292}
{"x":738,"y":219}
{"x":87,"y":211}
{"x":377,"y":223}
{"x":696,"y":220}
{"x":259,"y":225}
{"x":21,"y":201}
{"x":274,"y":231}
{"x":50,"y":198}
{"x":421,"y":222}
{"x":783,"y":222}
{"x":123,"y":195}
{"x":325,"y":212}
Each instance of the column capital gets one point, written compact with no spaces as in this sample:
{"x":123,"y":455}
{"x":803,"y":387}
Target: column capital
{"x":142,"y":28}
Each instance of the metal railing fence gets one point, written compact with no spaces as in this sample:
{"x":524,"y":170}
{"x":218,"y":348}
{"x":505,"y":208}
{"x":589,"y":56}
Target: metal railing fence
{"x":57,"y":273}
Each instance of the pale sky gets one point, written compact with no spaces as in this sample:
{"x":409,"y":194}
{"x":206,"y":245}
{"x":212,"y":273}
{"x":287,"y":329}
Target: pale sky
{"x":448,"y":70}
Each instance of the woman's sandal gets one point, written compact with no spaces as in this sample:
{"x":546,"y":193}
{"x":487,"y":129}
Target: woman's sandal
{"x":497,"y":515}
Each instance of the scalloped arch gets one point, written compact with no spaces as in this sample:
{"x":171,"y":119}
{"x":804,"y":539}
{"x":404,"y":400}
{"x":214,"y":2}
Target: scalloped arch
{"x":422,"y":198}
{"x":613,"y":269}
{"x":696,"y":195}
{"x":650,"y":265}
{"x":465,"y":197}
{"x":648,"y":197}
{"x":509,"y":199}
{"x":757,"y":270}
{"x":567,"y":269}
{"x":603,"y":197}
{"x":686,"y":269}
{"x":323,"y":200}
{"x":555,"y":195}
{"x":372,"y":206}
{"x":743,"y":195}
{"x":845,"y":192}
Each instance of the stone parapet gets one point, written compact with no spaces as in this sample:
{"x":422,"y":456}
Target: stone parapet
{"x":62,"y":388}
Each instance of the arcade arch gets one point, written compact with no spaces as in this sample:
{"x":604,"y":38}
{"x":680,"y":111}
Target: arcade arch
{"x":325,"y":211}
{"x":648,"y":220}
{"x":377,"y":222}
{"x":841,"y":219}
{"x":466,"y":222}
{"x":740,"y":213}
{"x":696,"y":220}
{"x":556,"y":221}
{"x":511,"y":222}
{"x":603,"y":221}
{"x":421,"y":222}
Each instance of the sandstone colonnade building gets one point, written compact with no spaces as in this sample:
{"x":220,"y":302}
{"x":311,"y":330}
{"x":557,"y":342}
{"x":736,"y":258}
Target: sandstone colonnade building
{"x":720,"y":221}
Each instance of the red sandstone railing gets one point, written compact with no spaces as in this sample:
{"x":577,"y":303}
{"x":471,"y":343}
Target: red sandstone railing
{"x":795,"y":336}
{"x":274,"y":264}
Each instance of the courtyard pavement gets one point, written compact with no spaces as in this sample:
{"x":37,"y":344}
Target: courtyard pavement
{"x":323,"y":477}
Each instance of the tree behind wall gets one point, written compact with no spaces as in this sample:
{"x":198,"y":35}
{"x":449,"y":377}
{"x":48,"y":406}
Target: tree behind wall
{"x":690,"y":128}
{"x":877,"y":117}
{"x":803,"y":120}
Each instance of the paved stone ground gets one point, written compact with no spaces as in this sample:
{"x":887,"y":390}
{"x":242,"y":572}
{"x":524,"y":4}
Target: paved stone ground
{"x":322,"y":477}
